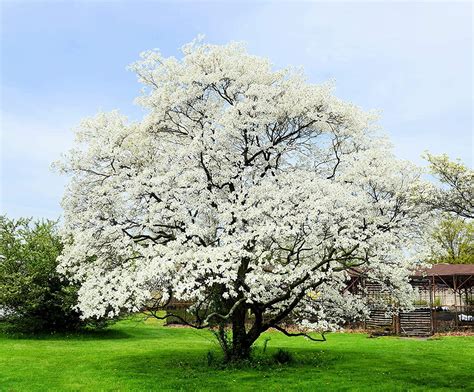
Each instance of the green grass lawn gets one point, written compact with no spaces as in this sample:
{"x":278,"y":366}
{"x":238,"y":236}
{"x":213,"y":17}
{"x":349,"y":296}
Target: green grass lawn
{"x":139,"y":356}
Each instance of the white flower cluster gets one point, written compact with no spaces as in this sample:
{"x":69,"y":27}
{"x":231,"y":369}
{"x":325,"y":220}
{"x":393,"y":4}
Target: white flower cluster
{"x":242,"y":181}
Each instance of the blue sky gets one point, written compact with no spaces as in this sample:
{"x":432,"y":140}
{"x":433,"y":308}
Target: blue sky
{"x":61,"y":61}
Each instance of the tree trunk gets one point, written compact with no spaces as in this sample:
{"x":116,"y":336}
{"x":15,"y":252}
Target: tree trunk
{"x":241,"y":344}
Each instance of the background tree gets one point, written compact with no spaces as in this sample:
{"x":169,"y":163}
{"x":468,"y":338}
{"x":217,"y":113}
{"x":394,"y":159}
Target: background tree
{"x":33,"y":296}
{"x":246,"y":191}
{"x":456,"y":195}
{"x":453,"y":241}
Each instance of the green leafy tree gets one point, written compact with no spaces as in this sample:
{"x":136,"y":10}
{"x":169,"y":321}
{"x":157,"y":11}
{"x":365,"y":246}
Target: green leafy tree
{"x":456,"y":194}
{"x":33,"y":296}
{"x":454,"y":241}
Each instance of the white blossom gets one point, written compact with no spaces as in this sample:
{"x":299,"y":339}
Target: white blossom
{"x":240,"y":180}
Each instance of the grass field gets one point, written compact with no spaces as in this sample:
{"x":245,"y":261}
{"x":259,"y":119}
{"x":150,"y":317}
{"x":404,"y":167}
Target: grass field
{"x":138,"y":356}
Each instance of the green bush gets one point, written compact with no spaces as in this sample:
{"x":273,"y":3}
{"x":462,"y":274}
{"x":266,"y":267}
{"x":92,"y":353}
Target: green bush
{"x":470,"y":300}
{"x":33,"y":296}
{"x":282,"y":357}
{"x":437,"y":302}
{"x":420,"y":302}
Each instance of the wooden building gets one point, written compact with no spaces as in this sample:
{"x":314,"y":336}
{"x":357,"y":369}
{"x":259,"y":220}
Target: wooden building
{"x":445,"y":301}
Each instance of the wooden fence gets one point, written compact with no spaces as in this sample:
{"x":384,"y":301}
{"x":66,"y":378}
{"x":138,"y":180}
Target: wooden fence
{"x":415,"y":323}
{"x":418,"y":322}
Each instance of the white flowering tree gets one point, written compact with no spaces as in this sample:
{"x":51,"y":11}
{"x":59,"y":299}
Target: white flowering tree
{"x":246,"y":191}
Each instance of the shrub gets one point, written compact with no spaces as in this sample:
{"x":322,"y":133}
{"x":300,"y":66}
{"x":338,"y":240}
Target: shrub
{"x":282,"y":357}
{"x":33,"y":296}
{"x":437,"y":302}
{"x":211,"y":358}
{"x":420,"y":302}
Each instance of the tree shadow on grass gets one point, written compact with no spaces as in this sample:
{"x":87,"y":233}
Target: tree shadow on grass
{"x":102,"y":334}
{"x":197,"y":360}
{"x":183,"y":369}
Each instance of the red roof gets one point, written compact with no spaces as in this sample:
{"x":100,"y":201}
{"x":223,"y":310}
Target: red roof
{"x":441,"y":269}
{"x":447,"y":270}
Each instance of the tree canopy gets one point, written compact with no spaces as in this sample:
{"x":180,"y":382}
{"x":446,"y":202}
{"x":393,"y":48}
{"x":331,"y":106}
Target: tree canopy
{"x":453,"y":241}
{"x":456,"y":195}
{"x":245,"y":190}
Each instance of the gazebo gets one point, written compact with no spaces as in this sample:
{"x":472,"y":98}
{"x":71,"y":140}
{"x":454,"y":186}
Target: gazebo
{"x":448,"y":289}
{"x":445,"y":301}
